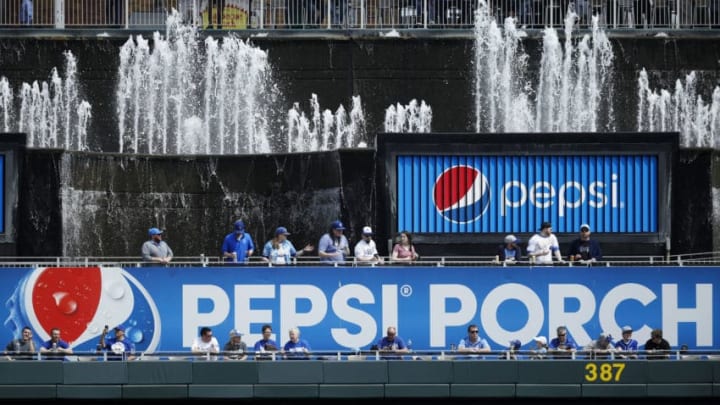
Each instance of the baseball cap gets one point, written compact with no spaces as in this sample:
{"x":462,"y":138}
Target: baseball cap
{"x":583,"y":226}
{"x":119,"y":328}
{"x":627,"y":328}
{"x":545,"y":225}
{"x":367,"y":230}
{"x":234,"y":332}
{"x":281,"y":231}
{"x":239,"y":226}
{"x":540,"y":339}
{"x":510,"y":239}
{"x":154,"y":231}
{"x":337,"y":225}
{"x":604,"y":336}
{"x":515,"y":344}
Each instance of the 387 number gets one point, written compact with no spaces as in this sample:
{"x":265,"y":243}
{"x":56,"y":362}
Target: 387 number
{"x":604,"y":372}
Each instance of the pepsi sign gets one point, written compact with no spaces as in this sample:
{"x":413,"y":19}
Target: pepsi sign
{"x":465,"y":194}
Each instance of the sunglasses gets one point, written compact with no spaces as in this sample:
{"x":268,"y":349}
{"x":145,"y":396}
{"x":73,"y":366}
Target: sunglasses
{"x":474,"y":331}
{"x":562,"y":335}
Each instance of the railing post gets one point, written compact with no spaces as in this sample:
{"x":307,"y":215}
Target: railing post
{"x":329,"y":14}
{"x":127,"y":13}
{"x":261,"y":17}
{"x":425,"y":14}
{"x":363,"y":14}
{"x":615,"y":13}
{"x":59,"y":14}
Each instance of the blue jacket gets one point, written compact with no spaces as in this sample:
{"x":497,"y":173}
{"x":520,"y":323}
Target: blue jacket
{"x":26,"y":12}
{"x":589,"y":249}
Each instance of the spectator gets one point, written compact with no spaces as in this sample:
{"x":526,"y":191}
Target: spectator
{"x":238,"y":245}
{"x":473,"y":343}
{"x":366,"y":250}
{"x":119,"y":347}
{"x":391,"y":343}
{"x":508,"y":252}
{"x":55,"y":348}
{"x":235,"y":348}
{"x":24,"y":344}
{"x":26,"y":12}
{"x":513,"y":347}
{"x":601,"y":348}
{"x":543,"y":245}
{"x":404,"y":250}
{"x":627,"y":346}
{"x":562,"y":346}
{"x":296,"y":348}
{"x":334,"y":246}
{"x":584,"y":249}
{"x":156,"y":250}
{"x":656,"y":347}
{"x":266,"y":345}
{"x":541,"y":348}
{"x":205,"y":343}
{"x":280,"y":251}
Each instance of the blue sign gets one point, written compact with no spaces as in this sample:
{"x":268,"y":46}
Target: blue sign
{"x":2,"y":193}
{"x":163,"y":309}
{"x":477,"y":194}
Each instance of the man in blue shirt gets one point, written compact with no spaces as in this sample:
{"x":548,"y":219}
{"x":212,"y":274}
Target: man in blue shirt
{"x":393,"y":343}
{"x":584,"y":249}
{"x":26,"y":12}
{"x":118,"y":347}
{"x":473,"y":343}
{"x":265,"y":345}
{"x":627,"y":346}
{"x":333,"y":246}
{"x":55,"y":348}
{"x":562,"y":346}
{"x":238,"y":245}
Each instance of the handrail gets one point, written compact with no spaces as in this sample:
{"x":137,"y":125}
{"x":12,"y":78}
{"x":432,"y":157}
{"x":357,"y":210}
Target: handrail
{"x":692,"y":259}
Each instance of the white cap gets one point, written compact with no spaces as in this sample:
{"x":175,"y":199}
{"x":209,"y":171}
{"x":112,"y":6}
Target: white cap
{"x":585,"y":226}
{"x":627,"y":328}
{"x":510,"y":239}
{"x":367,"y":230}
{"x":540,"y":339}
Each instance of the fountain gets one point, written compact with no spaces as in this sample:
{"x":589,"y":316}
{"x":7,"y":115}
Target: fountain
{"x":411,"y":118}
{"x":324,"y":130}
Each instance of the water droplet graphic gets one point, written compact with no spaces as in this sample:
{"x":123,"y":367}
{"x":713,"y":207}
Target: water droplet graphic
{"x":135,"y":335}
{"x":67,"y":305}
{"x":116,"y":290}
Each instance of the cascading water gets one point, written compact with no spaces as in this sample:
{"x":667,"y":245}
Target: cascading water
{"x":408,"y":118}
{"x":52,"y":114}
{"x":684,"y":111}
{"x":572,"y":79}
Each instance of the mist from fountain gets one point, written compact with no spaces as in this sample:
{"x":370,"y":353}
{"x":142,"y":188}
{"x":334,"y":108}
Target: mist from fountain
{"x":573,"y":77}
{"x":408,"y":118}
{"x":52,"y":114}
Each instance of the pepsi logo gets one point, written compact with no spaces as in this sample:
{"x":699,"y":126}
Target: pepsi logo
{"x":81,"y":301}
{"x":461,"y":194}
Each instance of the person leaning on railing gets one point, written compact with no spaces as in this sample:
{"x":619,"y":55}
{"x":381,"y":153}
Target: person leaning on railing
{"x":21,"y":348}
{"x":656,"y":347}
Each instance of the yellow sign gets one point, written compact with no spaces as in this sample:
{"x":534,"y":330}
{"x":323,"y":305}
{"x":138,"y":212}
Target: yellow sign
{"x":234,"y":16}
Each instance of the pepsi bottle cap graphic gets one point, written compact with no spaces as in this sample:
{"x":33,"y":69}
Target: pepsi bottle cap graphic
{"x":461,"y":194}
{"x":97,"y":297}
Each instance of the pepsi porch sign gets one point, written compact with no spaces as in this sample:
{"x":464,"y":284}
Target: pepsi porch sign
{"x":493,"y":193}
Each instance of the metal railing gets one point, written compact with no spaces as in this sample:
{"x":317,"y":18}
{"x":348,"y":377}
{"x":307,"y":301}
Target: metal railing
{"x":357,"y":14}
{"x":370,"y":355}
{"x":682,"y":260}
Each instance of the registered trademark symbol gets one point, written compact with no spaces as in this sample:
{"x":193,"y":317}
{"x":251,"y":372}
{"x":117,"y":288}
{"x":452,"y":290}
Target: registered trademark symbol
{"x":405,"y":290}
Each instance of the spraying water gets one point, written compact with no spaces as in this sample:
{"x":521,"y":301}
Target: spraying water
{"x":325,"y":130}
{"x":408,"y":118}
{"x":50,"y":113}
{"x":572,"y":79}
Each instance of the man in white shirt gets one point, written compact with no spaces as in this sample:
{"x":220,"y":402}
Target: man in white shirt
{"x":205,"y":343}
{"x":542,"y":246}
{"x":365,"y":250}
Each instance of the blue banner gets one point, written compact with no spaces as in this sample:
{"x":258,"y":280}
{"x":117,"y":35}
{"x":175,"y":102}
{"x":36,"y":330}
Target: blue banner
{"x":163,"y":309}
{"x":477,"y":194}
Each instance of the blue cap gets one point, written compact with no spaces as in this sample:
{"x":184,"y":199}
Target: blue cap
{"x":337,"y":225}
{"x":154,"y":231}
{"x":515,"y":344}
{"x":281,"y":231}
{"x":239,"y":226}
{"x":119,"y":328}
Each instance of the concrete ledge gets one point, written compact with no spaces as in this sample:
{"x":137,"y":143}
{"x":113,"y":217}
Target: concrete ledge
{"x":419,"y":372}
{"x":358,"y":372}
{"x":675,"y":372}
{"x":155,"y":391}
{"x":28,"y":391}
{"x":220,"y":391}
{"x":482,"y":390}
{"x":290,"y":372}
{"x":89,"y":391}
{"x":417,"y":391}
{"x":548,"y":391}
{"x":679,"y":390}
{"x":224,"y":372}
{"x":482,"y":372}
{"x":352,"y":391}
{"x":159,"y":372}
{"x":286,"y":391}
{"x":105,"y":372}
{"x":614,"y":390}
{"x":31,"y":372}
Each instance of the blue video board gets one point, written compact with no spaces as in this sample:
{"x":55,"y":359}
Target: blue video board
{"x":478,"y":194}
